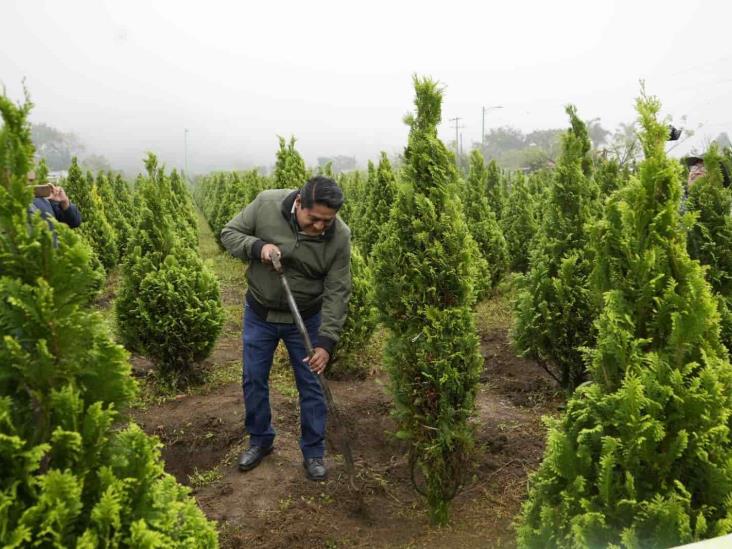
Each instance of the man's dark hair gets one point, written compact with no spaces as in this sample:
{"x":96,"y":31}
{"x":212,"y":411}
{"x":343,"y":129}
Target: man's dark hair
{"x":321,"y":190}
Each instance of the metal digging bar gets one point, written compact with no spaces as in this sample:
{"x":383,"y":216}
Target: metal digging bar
{"x":344,"y":443}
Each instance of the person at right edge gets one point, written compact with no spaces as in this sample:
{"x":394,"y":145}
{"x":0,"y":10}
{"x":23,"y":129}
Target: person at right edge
{"x":315,"y":245}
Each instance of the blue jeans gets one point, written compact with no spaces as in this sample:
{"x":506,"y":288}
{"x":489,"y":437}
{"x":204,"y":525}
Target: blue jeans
{"x":260,"y":341}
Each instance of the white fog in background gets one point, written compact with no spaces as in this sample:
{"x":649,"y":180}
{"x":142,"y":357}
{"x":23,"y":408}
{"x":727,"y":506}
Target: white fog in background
{"x":129,"y":76}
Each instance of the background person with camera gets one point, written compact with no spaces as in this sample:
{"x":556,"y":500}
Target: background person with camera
{"x":52,"y":203}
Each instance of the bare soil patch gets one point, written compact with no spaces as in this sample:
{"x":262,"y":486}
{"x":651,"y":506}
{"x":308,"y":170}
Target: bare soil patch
{"x":276,"y":506}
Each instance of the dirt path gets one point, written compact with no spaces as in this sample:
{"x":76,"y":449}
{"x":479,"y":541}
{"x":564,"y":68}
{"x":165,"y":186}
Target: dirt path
{"x":276,"y":506}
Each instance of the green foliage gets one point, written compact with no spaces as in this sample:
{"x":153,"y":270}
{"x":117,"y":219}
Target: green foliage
{"x":519,"y":223}
{"x":484,"y":226}
{"x":290,"y":171}
{"x":641,"y":457}
{"x":495,"y":188}
{"x":42,"y":172}
{"x":710,"y":238}
{"x":360,"y":322}
{"x":168,"y":306}
{"x":95,"y":227}
{"x":554,"y":309}
{"x":71,"y":473}
{"x":425,"y":270}
{"x":378,"y":202}
{"x":610,"y":175}
{"x":116,"y":210}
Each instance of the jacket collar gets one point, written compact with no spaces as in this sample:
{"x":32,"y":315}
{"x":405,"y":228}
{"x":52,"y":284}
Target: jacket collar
{"x":286,"y":210}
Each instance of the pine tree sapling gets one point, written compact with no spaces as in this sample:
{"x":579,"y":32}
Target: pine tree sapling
{"x":554,"y":309}
{"x":642,"y":456}
{"x":425,"y":270}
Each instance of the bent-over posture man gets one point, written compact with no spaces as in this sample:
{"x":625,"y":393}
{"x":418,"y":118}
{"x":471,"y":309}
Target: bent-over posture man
{"x":316,"y":252}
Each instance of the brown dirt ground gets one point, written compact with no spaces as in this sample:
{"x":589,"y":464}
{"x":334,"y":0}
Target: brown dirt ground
{"x":276,"y":506}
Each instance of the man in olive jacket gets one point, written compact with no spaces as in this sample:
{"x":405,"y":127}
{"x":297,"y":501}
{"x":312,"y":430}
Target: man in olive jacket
{"x":315,"y":246}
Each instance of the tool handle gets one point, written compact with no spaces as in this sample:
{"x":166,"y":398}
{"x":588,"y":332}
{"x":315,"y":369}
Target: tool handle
{"x":276,"y":258}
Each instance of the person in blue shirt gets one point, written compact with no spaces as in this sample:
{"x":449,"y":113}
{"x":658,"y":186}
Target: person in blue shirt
{"x":56,"y":207}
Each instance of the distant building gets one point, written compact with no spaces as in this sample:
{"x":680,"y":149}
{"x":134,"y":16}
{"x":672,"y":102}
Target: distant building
{"x":55,"y":177}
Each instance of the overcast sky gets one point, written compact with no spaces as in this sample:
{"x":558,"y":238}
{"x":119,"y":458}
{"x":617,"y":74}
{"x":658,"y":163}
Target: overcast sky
{"x":129,"y":76}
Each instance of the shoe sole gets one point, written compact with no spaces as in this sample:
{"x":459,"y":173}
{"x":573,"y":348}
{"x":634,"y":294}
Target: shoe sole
{"x":267,"y":452}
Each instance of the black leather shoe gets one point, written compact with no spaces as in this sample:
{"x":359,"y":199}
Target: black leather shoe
{"x":251,"y":457}
{"x":315,"y":468}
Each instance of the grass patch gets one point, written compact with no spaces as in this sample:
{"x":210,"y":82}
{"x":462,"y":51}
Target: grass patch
{"x":154,"y":391}
{"x":281,"y":377}
{"x":199,"y":479}
{"x":496,"y":312}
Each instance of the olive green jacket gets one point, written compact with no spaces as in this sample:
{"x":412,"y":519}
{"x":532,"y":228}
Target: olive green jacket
{"x":318,"y":268}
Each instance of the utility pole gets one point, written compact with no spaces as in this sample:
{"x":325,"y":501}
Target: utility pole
{"x":458,"y":127}
{"x":185,"y":151}
{"x":482,"y":131}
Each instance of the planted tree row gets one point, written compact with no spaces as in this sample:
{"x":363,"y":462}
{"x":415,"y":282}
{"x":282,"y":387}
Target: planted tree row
{"x":74,"y":472}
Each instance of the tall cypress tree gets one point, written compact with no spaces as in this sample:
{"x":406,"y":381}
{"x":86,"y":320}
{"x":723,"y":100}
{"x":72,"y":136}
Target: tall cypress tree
{"x":380,"y":200}
{"x":95,"y":226}
{"x":115,"y":211}
{"x":483,"y":224}
{"x":425,"y":271}
{"x":642,"y":456}
{"x":72,"y":474}
{"x":554,"y":310}
{"x":519,"y":223}
{"x":494,"y":189}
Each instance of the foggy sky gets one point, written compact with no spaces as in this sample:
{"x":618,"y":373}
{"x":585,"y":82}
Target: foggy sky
{"x":129,"y":76}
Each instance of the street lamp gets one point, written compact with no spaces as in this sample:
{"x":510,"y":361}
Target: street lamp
{"x":482,"y":133}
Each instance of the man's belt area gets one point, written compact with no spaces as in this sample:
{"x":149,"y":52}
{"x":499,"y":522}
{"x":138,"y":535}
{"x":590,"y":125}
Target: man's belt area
{"x":263,"y":311}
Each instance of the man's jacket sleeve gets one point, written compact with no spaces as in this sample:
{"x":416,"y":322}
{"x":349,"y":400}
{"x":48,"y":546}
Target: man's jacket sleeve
{"x":237,"y":236}
{"x":336,"y":294}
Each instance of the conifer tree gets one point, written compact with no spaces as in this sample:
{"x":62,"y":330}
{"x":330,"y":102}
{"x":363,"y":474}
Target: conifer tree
{"x":610,"y":175}
{"x":42,"y":172}
{"x":483,"y":224}
{"x":519,"y":223}
{"x":710,"y":238}
{"x":554,"y":309}
{"x":380,"y":201}
{"x":182,"y":209}
{"x":168,"y":306}
{"x":72,"y":474}
{"x":95,"y":226}
{"x":494,"y":189}
{"x":123,"y":202}
{"x":290,"y":171}
{"x":115,"y":211}
{"x":425,"y":271}
{"x":642,"y":456}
